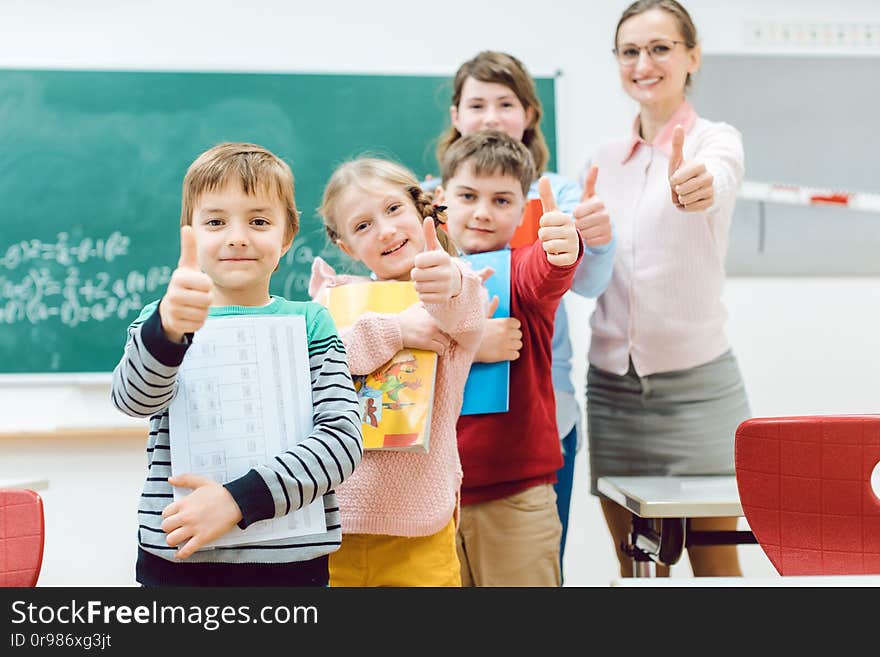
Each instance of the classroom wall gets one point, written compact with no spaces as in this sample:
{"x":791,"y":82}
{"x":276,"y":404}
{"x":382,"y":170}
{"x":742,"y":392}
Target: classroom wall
{"x":805,"y":345}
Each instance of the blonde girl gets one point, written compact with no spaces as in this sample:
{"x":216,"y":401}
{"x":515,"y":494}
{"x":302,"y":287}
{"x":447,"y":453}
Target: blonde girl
{"x":399,"y":510}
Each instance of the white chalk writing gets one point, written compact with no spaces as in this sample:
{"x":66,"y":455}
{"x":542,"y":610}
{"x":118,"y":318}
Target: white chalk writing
{"x":39,"y":296}
{"x":63,"y":252}
{"x":296,"y":281}
{"x":39,"y":290}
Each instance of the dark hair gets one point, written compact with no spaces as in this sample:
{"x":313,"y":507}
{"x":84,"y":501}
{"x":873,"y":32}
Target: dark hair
{"x":682,"y":17}
{"x":501,"y":68}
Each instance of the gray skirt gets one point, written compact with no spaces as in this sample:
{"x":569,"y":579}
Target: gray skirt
{"x":671,"y":423}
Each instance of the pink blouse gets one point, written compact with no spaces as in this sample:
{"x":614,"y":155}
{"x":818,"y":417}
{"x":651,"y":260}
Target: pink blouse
{"x":663,"y":305}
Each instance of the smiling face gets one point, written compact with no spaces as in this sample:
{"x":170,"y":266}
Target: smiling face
{"x":381,"y":228}
{"x":482,"y":212}
{"x":240,"y":240}
{"x":658,"y":86}
{"x":490,"y":105}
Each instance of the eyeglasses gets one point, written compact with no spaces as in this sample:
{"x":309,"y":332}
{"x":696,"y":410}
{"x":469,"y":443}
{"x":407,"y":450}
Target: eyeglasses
{"x":659,"y":50}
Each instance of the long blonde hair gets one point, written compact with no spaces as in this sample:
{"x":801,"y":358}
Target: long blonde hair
{"x":365,"y":173}
{"x":501,"y":68}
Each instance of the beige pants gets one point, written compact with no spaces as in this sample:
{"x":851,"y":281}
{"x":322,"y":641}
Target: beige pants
{"x":513,"y":541}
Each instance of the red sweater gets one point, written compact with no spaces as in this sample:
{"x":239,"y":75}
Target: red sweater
{"x":504,"y":453}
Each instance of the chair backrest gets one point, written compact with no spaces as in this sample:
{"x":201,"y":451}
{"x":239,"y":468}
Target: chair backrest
{"x":21,"y":537}
{"x":806,"y":491}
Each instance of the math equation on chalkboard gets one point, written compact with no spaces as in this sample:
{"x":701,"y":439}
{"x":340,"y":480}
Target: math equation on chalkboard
{"x":64,"y":281}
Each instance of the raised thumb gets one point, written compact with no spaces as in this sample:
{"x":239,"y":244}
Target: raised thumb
{"x":545,"y":191}
{"x":432,"y":243}
{"x":189,"y":258}
{"x":590,"y":183}
{"x":676,"y":157}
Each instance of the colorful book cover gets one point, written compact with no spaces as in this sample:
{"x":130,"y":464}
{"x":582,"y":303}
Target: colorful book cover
{"x":488,"y":384}
{"x":396,"y":400}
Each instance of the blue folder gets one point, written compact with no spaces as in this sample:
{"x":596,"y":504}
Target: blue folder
{"x":487,"y":385}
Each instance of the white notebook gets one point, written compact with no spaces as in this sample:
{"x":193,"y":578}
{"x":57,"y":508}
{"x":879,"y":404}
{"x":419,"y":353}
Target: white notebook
{"x":244,"y":396}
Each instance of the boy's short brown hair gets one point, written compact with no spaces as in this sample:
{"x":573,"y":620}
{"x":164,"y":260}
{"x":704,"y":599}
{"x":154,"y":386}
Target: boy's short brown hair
{"x":490,"y":152}
{"x":255,"y":168}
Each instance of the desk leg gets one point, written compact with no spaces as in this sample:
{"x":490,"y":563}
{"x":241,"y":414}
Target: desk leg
{"x":655,"y":540}
{"x":662,"y":540}
{"x":644,"y":567}
{"x":643,"y":544}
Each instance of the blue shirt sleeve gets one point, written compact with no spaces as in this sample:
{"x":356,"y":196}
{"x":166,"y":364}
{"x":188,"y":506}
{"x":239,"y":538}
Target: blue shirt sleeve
{"x":567,"y":193}
{"x":594,"y":271}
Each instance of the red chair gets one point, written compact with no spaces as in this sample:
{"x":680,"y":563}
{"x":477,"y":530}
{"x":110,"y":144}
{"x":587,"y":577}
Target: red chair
{"x":21,"y":537}
{"x":805,"y":484}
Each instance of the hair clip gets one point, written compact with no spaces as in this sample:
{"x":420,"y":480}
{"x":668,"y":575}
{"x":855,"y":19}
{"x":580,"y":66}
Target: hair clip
{"x":437,"y":210}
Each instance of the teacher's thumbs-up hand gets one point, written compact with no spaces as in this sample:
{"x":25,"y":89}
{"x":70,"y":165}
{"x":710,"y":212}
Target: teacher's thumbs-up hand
{"x":558,"y":233}
{"x":689,"y":182}
{"x":436,"y":278}
{"x":590,"y":215}
{"x":184,"y":308}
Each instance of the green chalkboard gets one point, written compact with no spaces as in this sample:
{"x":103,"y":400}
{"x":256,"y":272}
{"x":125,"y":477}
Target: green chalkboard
{"x":91,"y":166}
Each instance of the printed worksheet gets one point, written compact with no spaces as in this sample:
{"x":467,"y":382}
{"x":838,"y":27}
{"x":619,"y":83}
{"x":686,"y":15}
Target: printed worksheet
{"x":244,"y":396}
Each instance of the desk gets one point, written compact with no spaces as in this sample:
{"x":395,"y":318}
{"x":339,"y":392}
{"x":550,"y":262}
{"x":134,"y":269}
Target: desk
{"x":661,"y":509}
{"x":32,"y":483}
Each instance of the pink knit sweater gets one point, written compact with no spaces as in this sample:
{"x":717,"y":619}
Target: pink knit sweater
{"x":407,"y":493}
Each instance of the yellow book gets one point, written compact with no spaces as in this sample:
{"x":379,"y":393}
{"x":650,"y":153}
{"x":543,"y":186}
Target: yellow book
{"x":396,"y":400}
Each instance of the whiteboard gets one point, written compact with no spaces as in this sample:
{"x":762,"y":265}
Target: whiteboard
{"x":810,"y":121}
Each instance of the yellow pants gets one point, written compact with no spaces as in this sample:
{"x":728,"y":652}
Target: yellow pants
{"x":379,"y":560}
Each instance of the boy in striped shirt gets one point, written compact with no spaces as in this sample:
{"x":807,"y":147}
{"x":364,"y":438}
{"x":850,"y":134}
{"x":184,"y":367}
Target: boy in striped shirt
{"x":238,"y":219}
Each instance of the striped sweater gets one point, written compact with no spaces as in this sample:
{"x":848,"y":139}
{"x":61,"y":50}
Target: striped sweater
{"x":145,"y":382}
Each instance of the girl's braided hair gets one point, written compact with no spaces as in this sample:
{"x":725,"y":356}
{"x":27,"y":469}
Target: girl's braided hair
{"x":365,"y":172}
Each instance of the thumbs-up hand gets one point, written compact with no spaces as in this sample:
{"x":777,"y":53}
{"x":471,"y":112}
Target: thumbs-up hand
{"x":558,"y":233}
{"x":689,"y":182}
{"x":590,"y":215}
{"x":436,"y":277}
{"x":184,"y":308}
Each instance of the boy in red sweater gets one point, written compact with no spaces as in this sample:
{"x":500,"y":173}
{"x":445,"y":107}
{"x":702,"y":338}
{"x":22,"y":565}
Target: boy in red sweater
{"x":509,"y":530}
